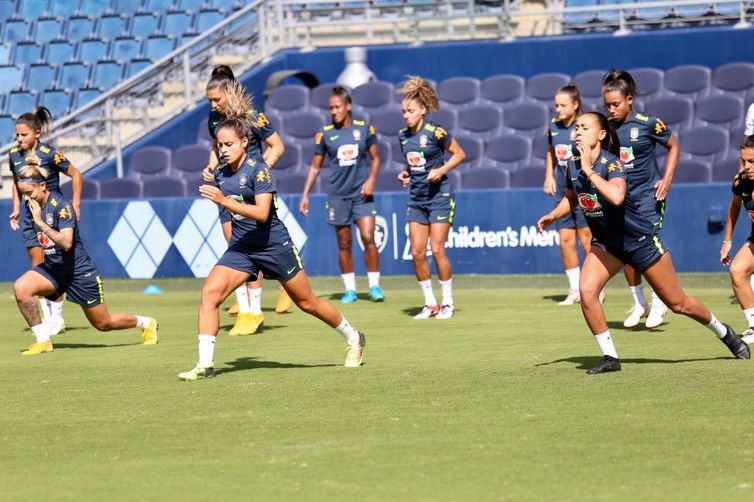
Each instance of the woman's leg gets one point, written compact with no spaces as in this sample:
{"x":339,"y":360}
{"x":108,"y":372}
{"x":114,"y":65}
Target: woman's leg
{"x":345,"y":261}
{"x":366,"y":227}
{"x":25,"y":289}
{"x":438,"y":236}
{"x":418,"y":234}
{"x":570,"y":258}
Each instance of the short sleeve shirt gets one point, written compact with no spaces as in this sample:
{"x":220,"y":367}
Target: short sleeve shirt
{"x":261,"y":131}
{"x":561,"y":139}
{"x":50,"y":159}
{"x":346,"y":156}
{"x":424,"y":151}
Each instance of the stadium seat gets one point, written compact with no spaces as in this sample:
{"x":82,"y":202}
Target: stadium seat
{"x":189,"y":160}
{"x":16,"y":30}
{"x":74,"y":75}
{"x":459,"y":92}
{"x":125,"y":49}
{"x":675,"y":111}
{"x":473,"y":148}
{"x":733,"y":78}
{"x":20,"y":102}
{"x":128,"y":6}
{"x":579,"y":17}
{"x":529,"y":119}
{"x":507,"y":151}
{"x":528,"y":177}
{"x":649,"y":81}
{"x":291,"y":159}
{"x":542,"y":87}
{"x":63,"y":9}
{"x":590,"y":85}
{"x":90,"y":189}
{"x":307,"y":154}
{"x":107,"y":74}
{"x":292,"y":182}
{"x":191,"y":5}
{"x":303,"y":126}
{"x":206,"y":19}
{"x":287,"y":99}
{"x":5,"y":51}
{"x":77,"y":29}
{"x":158,"y":46}
{"x":540,"y":145}
{"x":11,"y":77}
{"x":145,"y":24}
{"x":448,"y":119}
{"x":47,"y":28}
{"x":158,"y":5}
{"x":58,"y":101}
{"x":149,"y":162}
{"x":502,"y":89}
{"x":485,"y":178}
{"x":176,"y":23}
{"x":120,"y":188}
{"x":27,"y":52}
{"x":7,"y":8}
{"x":94,"y":7}
{"x":387,"y":123}
{"x":164,"y":186}
{"x":387,"y":181}
{"x":735,"y":137}
{"x":226,"y":5}
{"x":41,"y":76}
{"x":693,"y":171}
{"x":724,"y":170}
{"x":481,"y":121}
{"x":385,"y":152}
{"x":694,"y":10}
{"x":84,"y":96}
{"x":135,"y":66}
{"x":691,"y":81}
{"x":92,"y":50}
{"x":704,"y":143}
{"x":320,"y":95}
{"x":7,"y":129}
{"x":59,"y":51}
{"x":720,"y":110}
{"x":111,"y":26}
{"x":373,"y":96}
{"x":202,"y":132}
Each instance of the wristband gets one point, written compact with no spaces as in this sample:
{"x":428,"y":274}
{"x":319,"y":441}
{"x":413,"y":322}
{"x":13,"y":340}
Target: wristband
{"x":589,"y":178}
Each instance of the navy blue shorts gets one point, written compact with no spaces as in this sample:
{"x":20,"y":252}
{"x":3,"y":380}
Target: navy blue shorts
{"x":654,"y":210}
{"x":640,"y":258}
{"x":574,"y":219}
{"x":83,"y":289}
{"x":342,"y":212}
{"x":283,"y":265}
{"x":440,"y":210}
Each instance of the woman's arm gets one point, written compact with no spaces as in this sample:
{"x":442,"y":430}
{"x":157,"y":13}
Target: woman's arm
{"x":662,"y":187}
{"x":258,"y":211}
{"x":275,"y":150}
{"x":311,"y":177}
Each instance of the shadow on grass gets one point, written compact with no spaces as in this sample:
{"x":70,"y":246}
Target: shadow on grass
{"x":554,"y":298}
{"x":89,"y":345}
{"x":640,"y":328}
{"x":252,"y":363}
{"x":586,"y":362}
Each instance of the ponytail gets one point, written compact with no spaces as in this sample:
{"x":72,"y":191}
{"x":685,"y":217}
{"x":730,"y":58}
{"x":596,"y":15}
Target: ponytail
{"x":620,"y":80}
{"x":220,"y":77}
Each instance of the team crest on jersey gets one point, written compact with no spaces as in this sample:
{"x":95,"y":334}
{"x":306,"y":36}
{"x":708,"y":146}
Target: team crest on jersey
{"x":563,"y":152}
{"x":423,"y":141}
{"x":348,"y":155}
{"x":588,"y":203}
{"x":634,"y":133}
{"x":49,"y":218}
{"x":242,"y":180}
{"x":356,"y":135}
{"x":416,"y":161}
{"x":627,"y":154}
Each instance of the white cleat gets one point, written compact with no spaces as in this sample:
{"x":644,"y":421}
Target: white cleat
{"x":635,"y":314}
{"x":572,"y":298}
{"x":56,"y":325}
{"x":428,"y":311}
{"x":748,"y":336}
{"x":656,"y":316}
{"x":446,"y":312}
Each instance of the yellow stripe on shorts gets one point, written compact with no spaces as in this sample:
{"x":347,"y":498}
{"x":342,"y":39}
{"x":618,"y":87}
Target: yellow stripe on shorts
{"x":658,"y":244}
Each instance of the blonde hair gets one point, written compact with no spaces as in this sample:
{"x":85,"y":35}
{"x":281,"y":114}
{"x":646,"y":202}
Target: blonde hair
{"x":32,"y":170}
{"x":418,"y":89}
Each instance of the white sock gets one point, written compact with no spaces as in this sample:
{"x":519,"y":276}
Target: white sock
{"x":41,"y":333}
{"x":447,"y":291}
{"x":573,"y":278}
{"x":242,"y":297}
{"x":637,"y":293}
{"x":374,"y":279}
{"x":717,"y":327}
{"x":56,"y":309}
{"x":255,"y":300}
{"x":751,"y":281}
{"x":206,"y":351}
{"x":142,"y":322}
{"x":349,"y":281}
{"x":656,"y":302}
{"x":605,"y":343}
{"x":749,"y":315}
{"x":429,"y":295}
{"x":349,"y":333}
{"x":44,"y":305}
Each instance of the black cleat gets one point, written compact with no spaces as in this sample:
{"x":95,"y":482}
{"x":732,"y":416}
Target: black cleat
{"x":737,"y":347}
{"x":607,"y":364}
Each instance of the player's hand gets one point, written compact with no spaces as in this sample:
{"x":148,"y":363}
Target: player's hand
{"x":35,"y":210}
{"x":212,"y":193}
{"x":367,"y":189}
{"x":434,"y":176}
{"x":550,"y":186}
{"x":404,"y":178}
{"x":544,"y":222}
{"x":586,"y":155}
{"x":13,"y":217}
{"x":303,"y":205}
{"x":208,"y":174}
{"x":725,"y":254}
{"x":77,"y":208}
{"x":662,"y":188}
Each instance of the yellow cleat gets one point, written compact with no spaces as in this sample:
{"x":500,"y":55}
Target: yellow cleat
{"x":149,"y":334}
{"x":246,"y":324}
{"x":233,"y":310}
{"x":284,"y":302}
{"x":37,"y":348}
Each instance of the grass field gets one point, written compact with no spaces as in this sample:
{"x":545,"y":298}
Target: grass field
{"x":491,"y":405}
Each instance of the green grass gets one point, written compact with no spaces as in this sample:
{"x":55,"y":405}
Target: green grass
{"x":491,"y":405}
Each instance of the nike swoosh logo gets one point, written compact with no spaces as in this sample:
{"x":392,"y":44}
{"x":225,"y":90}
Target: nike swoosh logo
{"x":554,"y":133}
{"x":442,"y":217}
{"x":220,"y":182}
{"x":89,"y":302}
{"x":333,"y":138}
{"x":745,"y":194}
{"x":404,"y":142}
{"x":16,"y":163}
{"x":291,"y":270}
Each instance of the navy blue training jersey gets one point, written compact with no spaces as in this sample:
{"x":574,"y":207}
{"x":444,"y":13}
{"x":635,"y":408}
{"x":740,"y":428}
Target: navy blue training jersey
{"x":562,"y":140}
{"x":58,"y":212}
{"x":252,"y":178}
{"x":423,"y":152}
{"x":346,"y":153}
{"x":50,"y":159}
{"x":744,"y":187}
{"x":638,"y":137}
{"x":261,"y":130}
{"x":622,"y":227}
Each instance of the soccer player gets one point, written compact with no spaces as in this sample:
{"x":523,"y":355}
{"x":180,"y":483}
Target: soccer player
{"x":638,"y":134}
{"x":742,"y":266}
{"x":67,"y":267}
{"x":560,"y":135}
{"x":348,"y":148}
{"x":30,"y":127}
{"x":224,"y":91}
{"x":623,"y":235}
{"x":431,"y":205}
{"x":245,"y":186}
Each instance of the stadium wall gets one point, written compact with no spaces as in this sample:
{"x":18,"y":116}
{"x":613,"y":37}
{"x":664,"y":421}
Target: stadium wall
{"x":493,"y":233}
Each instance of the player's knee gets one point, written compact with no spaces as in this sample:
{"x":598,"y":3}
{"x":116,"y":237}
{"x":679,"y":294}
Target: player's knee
{"x":419,"y":254}
{"x":22,"y":290}
{"x":438,"y":250}
{"x":680,"y":305}
{"x":739,"y":273}
{"x":211,"y":296}
{"x":308,"y":305}
{"x":589,"y":291}
{"x":344,"y":244}
{"x":103,"y":324}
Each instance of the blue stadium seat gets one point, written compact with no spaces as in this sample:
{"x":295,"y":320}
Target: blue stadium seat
{"x":7,"y":8}
{"x":20,"y":102}
{"x":540,"y":145}
{"x":176,"y":23}
{"x":697,"y":10}
{"x":502,"y":89}
{"x":485,"y":178}
{"x":307,"y":154}
{"x":373,"y":96}
{"x":78,"y":28}
{"x":226,"y":5}
{"x":320,"y":95}
{"x":94,"y":7}
{"x":473,"y":148}
{"x":385,"y":151}
{"x":74,"y":75}
{"x":158,"y":5}
{"x":208,"y":18}
{"x":693,"y":171}
{"x":64,"y":9}
{"x":145,"y":24}
{"x":303,"y":126}
{"x":482,"y":121}
{"x":579,"y":17}
{"x":446,"y":118}
{"x":111,"y":26}
{"x":58,"y":101}
{"x":590,"y":85}
{"x":5,"y":51}
{"x":27,"y":53}
{"x":653,"y":13}
{"x":287,"y":99}
{"x":32,"y":9}
{"x":650,"y":81}
{"x":7,"y":129}
{"x":721,"y":111}
{"x":542,"y":87}
{"x":704,"y":143}
{"x":59,"y":51}
{"x":92,"y":50}
{"x":507,"y":151}
{"x":41,"y":76}
{"x":125,"y":49}
{"x":158,"y":46}
{"x":191,"y":5}
{"x":387,"y":181}
{"x":84,"y":95}
{"x":733,"y":79}
{"x":128,"y":6}
{"x":723,"y":171}
{"x":459,"y":92}
{"x":676,"y":111}
{"x":691,"y":81}
{"x":120,"y":188}
{"x":164,"y":186}
{"x":190,"y":159}
{"x":135,"y":66}
{"x":292,"y":182}
{"x":291,"y":160}
{"x":90,"y":189}
{"x":16,"y":30}
{"x":107,"y":74}
{"x":387,"y":123}
{"x":47,"y":28}
{"x":529,"y":119}
{"x":149,"y":162}
{"x":11,"y":77}
{"x":528,"y":177}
